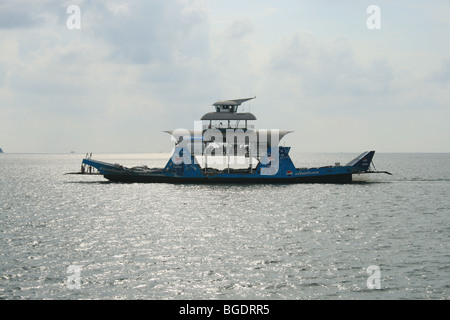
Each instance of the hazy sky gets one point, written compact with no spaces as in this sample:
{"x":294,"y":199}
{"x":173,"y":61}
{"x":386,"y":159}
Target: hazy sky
{"x":136,"y":68}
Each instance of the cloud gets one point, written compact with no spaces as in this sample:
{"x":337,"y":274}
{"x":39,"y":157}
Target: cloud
{"x":443,"y":75}
{"x":17,"y":14}
{"x":132,"y":66}
{"x":143,"y":32}
{"x":240,"y":28}
{"x":339,"y":100}
{"x":318,"y":67}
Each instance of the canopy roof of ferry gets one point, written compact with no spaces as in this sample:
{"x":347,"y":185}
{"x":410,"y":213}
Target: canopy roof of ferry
{"x":234,"y":102}
{"x":228,"y":116}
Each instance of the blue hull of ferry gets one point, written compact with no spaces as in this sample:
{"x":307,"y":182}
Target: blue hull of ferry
{"x":281,"y":171}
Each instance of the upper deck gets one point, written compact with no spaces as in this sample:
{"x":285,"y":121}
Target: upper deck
{"x":227,"y":110}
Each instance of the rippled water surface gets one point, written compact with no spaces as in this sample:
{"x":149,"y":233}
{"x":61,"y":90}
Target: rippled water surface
{"x":163,"y":241}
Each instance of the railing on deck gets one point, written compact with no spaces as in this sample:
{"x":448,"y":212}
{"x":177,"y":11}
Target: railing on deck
{"x":225,"y":126}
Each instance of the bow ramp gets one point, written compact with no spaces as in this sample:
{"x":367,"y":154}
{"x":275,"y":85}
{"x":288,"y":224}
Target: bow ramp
{"x":362,"y":163}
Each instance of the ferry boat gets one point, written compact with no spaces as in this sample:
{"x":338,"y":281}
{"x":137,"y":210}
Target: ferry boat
{"x":223,"y":135}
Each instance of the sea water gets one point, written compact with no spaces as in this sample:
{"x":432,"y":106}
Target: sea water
{"x":82,"y":237}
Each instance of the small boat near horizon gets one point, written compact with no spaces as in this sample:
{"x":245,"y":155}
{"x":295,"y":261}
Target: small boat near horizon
{"x":223,"y":135}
